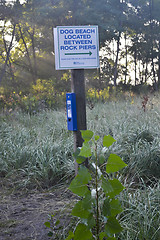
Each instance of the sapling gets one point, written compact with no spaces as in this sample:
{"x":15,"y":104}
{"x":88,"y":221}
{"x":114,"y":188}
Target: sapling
{"x":98,"y":206}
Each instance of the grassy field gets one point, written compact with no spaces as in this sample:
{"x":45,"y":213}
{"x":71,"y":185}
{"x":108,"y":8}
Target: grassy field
{"x":36,"y":151}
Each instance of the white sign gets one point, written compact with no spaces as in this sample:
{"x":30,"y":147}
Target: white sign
{"x":76,"y":47}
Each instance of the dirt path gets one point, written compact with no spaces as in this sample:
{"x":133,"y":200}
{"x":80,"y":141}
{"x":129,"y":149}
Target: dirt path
{"x":22,"y":215}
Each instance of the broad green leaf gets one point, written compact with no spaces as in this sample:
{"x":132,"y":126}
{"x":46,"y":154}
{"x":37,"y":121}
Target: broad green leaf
{"x":57,"y":222}
{"x":102,"y":235}
{"x":86,"y":135}
{"x":106,"y":186}
{"x":91,"y":221}
{"x":47,"y":224}
{"x":101,"y":159}
{"x":84,"y":175}
{"x":82,"y":232}
{"x":116,"y":186}
{"x":87,"y":201}
{"x":81,"y":208}
{"x":80,"y":211}
{"x":79,"y":159}
{"x":78,"y":188}
{"x":112,"y":226}
{"x":115,"y":207}
{"x":79,"y":183}
{"x":85,"y":150}
{"x":96,"y":138}
{"x":114,"y":164}
{"x":108,"y":141}
{"x":70,"y":236}
{"x":106,"y":207}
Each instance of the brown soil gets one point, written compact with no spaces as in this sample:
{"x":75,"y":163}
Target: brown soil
{"x":23,"y":214}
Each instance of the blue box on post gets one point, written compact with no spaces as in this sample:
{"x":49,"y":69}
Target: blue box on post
{"x":71,"y":111}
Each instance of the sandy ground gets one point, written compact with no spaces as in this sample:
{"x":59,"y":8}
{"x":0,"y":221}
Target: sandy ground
{"x":23,"y":214}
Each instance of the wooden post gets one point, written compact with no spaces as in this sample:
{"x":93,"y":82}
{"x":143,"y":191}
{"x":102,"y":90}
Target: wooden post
{"x":78,"y":87}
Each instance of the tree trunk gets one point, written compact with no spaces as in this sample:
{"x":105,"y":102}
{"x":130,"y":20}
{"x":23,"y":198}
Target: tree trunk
{"x":11,"y":70}
{"x":126,"y":64}
{"x":34,"y":56}
{"x":140,"y":72}
{"x":135,"y":66}
{"x":7,"y":54}
{"x":159,"y":65}
{"x":146,"y":69}
{"x":28,"y":56}
{"x":116,"y":62}
{"x":151,"y":6}
{"x":153,"y":71}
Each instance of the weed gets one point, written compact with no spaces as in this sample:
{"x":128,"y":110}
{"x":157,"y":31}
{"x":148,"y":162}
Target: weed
{"x":98,"y":206}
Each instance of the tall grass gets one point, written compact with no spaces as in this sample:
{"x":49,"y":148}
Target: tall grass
{"x":141,"y":215}
{"x":38,"y":149}
{"x":137,"y":133}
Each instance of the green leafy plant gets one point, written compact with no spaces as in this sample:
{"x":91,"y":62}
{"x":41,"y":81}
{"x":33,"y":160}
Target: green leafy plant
{"x":98,"y":206}
{"x":52,"y":226}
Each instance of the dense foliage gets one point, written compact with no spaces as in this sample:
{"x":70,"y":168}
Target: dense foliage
{"x":129,"y":42}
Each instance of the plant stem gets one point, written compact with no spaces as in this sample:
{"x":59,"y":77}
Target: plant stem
{"x":97,"y":196}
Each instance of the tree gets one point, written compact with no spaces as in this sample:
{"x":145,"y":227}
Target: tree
{"x":6,"y":32}
{"x":129,"y":29}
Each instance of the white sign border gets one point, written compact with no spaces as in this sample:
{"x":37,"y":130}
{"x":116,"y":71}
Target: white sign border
{"x":57,"y":51}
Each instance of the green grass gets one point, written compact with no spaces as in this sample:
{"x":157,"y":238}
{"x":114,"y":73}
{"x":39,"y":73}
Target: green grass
{"x":141,"y":216}
{"x":137,"y":134}
{"x":36,"y":151}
